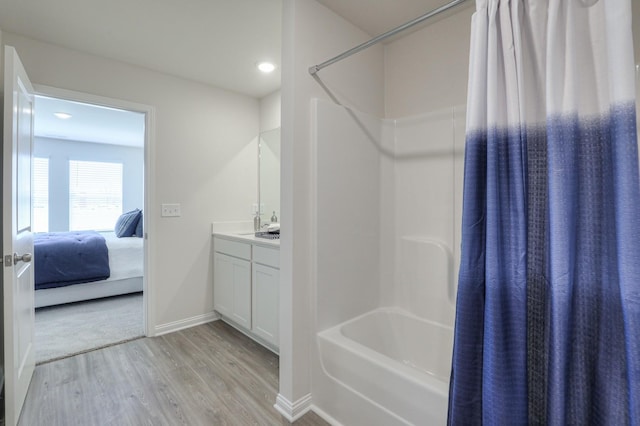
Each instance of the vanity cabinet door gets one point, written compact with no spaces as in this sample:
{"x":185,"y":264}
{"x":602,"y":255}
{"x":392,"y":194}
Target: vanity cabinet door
{"x":232,"y":288}
{"x":265,"y":309}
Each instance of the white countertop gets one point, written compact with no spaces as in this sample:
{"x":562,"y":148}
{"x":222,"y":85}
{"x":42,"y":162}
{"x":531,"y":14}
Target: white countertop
{"x":248,"y":238}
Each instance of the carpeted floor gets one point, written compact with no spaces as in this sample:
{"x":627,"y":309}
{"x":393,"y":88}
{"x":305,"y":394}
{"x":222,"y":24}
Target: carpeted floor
{"x":65,"y":330}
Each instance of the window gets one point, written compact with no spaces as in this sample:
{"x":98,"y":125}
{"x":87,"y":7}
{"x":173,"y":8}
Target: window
{"x":40,"y":198}
{"x":95,"y":195}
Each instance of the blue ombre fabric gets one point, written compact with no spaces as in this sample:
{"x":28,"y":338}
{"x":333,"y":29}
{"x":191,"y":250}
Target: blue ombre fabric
{"x":594,"y":205}
{"x":548,"y":307}
{"x":489,"y":361}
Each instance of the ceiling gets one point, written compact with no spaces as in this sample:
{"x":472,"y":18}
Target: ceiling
{"x":379,"y":16}
{"x":216,"y":42}
{"x":88,"y":123}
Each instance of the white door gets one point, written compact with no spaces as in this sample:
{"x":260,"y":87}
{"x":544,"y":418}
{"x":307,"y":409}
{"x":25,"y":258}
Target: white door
{"x":18,"y":283}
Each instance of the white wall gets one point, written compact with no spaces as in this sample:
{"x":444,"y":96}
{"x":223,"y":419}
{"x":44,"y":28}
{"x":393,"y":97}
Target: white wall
{"x":347,"y":159}
{"x":270,"y":107}
{"x":204,"y":154}
{"x":1,"y":66}
{"x":428,"y":69}
{"x":311,"y":34}
{"x":635,"y":8}
{"x":1,"y":236}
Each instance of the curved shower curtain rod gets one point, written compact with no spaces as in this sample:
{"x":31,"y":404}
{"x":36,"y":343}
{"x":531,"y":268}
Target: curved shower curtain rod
{"x":314,"y":69}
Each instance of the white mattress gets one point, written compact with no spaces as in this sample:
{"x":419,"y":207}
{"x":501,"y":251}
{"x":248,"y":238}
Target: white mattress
{"x":125,"y":256}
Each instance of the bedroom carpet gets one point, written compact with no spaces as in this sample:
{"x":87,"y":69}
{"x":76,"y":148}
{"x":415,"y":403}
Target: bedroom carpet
{"x":65,"y":330}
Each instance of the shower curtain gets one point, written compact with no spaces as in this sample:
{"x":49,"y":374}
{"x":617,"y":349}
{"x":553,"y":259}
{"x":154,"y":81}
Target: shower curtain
{"x":548,"y":308}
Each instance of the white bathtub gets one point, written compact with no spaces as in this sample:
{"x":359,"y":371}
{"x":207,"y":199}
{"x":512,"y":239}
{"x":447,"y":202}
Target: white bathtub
{"x":397,"y":361}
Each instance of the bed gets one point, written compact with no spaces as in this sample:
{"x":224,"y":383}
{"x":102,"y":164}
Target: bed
{"x":108,"y":267}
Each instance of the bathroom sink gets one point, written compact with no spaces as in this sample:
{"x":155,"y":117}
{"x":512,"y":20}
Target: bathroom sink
{"x":268,"y":235}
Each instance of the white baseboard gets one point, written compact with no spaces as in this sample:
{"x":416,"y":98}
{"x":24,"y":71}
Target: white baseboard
{"x":292,"y":411}
{"x":185,"y":323}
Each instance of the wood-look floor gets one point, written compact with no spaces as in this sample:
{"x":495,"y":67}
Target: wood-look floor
{"x":206,"y":375}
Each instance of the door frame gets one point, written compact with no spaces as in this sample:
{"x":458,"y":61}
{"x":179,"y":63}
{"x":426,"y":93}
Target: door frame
{"x":148,"y":295}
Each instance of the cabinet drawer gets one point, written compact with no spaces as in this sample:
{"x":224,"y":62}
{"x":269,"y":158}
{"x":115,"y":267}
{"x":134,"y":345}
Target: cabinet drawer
{"x":232,"y":248}
{"x":266,"y":256}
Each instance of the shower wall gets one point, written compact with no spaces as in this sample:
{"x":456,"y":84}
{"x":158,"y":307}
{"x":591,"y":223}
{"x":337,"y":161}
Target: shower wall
{"x":387,"y":212}
{"x":348,"y":175}
{"x":427,"y":175}
{"x":426,"y":76}
{"x":388,"y":198}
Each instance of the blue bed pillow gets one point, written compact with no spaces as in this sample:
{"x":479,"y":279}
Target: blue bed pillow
{"x":139,"y":230}
{"x":127,"y":223}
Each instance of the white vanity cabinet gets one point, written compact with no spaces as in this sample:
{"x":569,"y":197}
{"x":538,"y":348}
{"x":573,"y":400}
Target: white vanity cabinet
{"x":246,"y":280}
{"x":265,"y":283}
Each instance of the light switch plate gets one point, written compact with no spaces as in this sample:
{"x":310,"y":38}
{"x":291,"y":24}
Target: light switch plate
{"x":170,"y":210}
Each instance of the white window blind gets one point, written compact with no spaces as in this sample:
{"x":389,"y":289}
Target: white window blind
{"x":95,"y":195}
{"x":40,"y":197}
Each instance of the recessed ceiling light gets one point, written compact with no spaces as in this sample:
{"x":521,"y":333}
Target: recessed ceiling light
{"x":62,"y":115}
{"x":266,"y":67}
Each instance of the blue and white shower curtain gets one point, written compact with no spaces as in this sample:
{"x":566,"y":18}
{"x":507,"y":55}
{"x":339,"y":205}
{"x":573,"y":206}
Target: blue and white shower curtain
{"x":548,"y":308}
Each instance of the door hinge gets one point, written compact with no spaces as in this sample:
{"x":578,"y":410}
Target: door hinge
{"x":8,"y":261}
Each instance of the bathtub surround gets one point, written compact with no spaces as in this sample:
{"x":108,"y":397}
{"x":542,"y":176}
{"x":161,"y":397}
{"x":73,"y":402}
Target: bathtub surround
{"x":548,"y":318}
{"x":396,"y":80}
{"x":364,"y":263}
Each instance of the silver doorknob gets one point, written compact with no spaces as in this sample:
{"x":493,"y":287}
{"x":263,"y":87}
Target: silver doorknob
{"x":24,"y":258}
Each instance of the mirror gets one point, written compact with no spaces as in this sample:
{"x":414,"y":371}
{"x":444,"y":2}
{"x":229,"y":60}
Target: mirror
{"x":269,"y":174}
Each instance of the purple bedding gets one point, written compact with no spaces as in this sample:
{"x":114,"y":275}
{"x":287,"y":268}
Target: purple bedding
{"x":66,"y":258}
